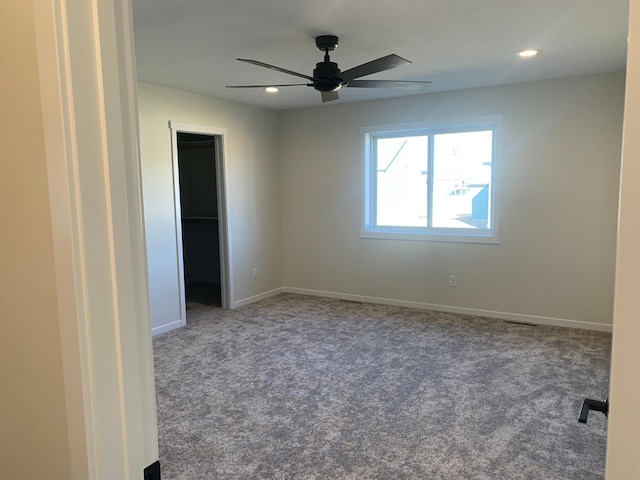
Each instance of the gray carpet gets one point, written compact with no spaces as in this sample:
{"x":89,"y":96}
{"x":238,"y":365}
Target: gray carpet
{"x":298,"y":387}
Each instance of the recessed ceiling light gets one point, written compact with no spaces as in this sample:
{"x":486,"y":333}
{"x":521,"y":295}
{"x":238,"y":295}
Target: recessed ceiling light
{"x":528,"y":53}
{"x":271,"y":89}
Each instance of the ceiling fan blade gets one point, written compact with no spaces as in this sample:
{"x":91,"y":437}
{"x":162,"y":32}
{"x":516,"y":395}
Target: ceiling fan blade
{"x":270,"y":85}
{"x":398,"y":84}
{"x":277,"y":69}
{"x":329,"y":96}
{"x":374,"y":66}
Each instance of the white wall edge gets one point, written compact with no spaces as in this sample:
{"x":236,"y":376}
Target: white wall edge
{"x":166,"y":327}
{"x":514,"y":317}
{"x":256,"y":298}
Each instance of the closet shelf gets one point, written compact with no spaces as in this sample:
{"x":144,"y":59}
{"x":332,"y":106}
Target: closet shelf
{"x":199,"y":219}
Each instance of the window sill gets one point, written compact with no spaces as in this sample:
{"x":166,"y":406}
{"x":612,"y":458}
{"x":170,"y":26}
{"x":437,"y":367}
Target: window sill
{"x":488,"y":238}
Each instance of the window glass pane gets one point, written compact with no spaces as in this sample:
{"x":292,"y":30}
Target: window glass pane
{"x":401,"y":174}
{"x":462,"y":177}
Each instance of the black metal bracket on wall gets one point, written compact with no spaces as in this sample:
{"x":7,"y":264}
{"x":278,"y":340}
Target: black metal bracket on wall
{"x":596,"y":405}
{"x":152,"y":472}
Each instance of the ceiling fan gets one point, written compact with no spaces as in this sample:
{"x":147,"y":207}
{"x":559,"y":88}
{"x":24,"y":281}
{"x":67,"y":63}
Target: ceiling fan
{"x":328,"y":79}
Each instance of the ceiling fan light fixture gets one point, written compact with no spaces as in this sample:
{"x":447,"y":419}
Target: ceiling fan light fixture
{"x":528,"y":53}
{"x":328,"y":79}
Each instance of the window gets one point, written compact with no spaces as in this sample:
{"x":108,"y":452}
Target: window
{"x":431,"y":182}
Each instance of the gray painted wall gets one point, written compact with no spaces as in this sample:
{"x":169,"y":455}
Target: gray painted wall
{"x":294,"y":187}
{"x":558,"y":176}
{"x":253,"y":192}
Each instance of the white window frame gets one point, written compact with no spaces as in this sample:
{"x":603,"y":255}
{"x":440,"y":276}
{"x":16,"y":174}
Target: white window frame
{"x":369,"y":229}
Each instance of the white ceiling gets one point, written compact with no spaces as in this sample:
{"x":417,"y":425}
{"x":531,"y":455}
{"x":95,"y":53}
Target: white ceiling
{"x":193,"y":44}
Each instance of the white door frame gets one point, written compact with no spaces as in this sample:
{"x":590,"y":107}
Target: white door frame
{"x":220,"y":136}
{"x":89,"y":109}
{"x":623,"y":440}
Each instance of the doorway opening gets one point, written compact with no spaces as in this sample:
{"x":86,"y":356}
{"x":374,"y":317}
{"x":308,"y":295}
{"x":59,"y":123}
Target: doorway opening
{"x":200,"y":211}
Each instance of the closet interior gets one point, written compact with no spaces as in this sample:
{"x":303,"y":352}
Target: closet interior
{"x":199,"y":211}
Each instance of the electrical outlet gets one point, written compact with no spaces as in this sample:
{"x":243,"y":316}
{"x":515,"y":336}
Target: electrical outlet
{"x":453,"y":282}
{"x":255,"y":273}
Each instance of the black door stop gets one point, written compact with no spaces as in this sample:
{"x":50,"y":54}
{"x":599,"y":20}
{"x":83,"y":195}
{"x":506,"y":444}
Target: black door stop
{"x":596,"y":405}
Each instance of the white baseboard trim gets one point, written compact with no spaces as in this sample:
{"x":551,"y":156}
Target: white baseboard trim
{"x":255,"y":298}
{"x":166,"y":327}
{"x":514,"y":317}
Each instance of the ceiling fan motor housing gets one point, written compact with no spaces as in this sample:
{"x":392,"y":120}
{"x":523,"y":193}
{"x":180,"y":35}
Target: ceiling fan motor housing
{"x":327,"y":77}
